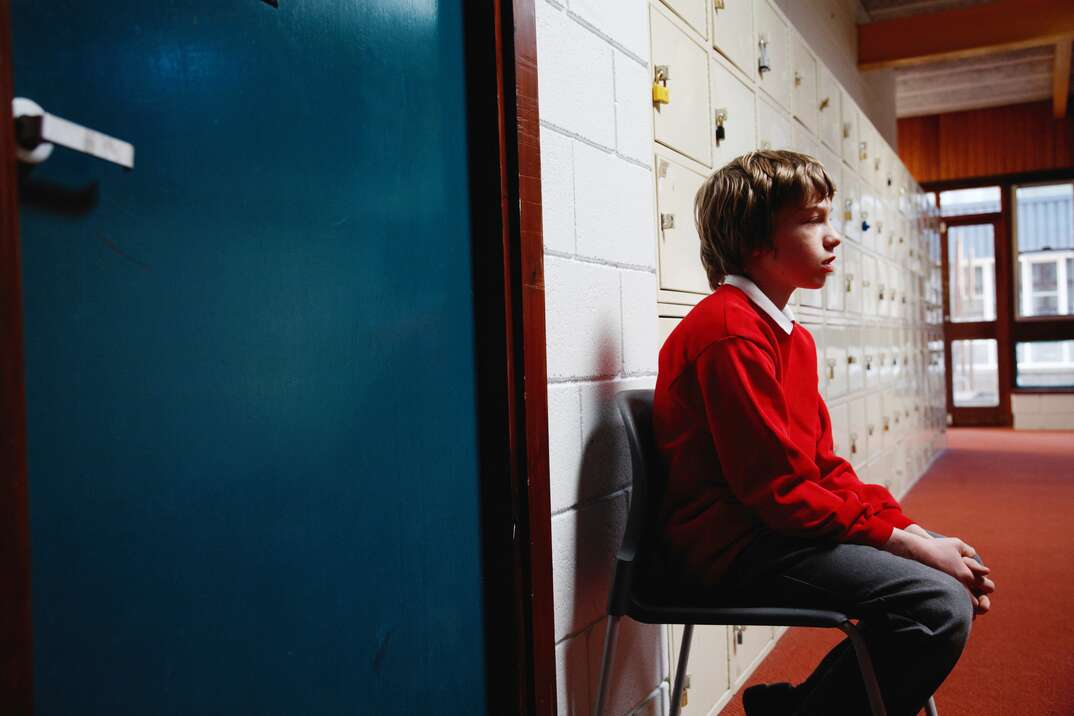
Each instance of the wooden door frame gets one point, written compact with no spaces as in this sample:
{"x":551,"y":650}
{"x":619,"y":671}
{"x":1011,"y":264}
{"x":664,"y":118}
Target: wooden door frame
{"x":512,"y":422}
{"x":508,"y":261}
{"x":998,"y":329}
{"x":16,"y":652}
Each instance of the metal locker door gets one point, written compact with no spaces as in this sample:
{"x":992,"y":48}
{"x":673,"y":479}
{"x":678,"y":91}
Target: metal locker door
{"x":773,"y":126}
{"x":666,"y":326}
{"x":817,"y":331}
{"x":744,"y":647}
{"x":850,"y":205}
{"x":852,"y":278}
{"x":829,"y":104}
{"x":835,"y":362}
{"x":869,"y":356}
{"x":803,"y":83}
{"x":856,"y":436}
{"x":874,"y":415}
{"x":772,"y":53}
{"x":866,"y":148}
{"x":834,"y":287}
{"x":849,"y":129}
{"x":840,"y":415}
{"x":868,"y":285}
{"x":693,"y":12}
{"x":679,"y":245}
{"x":680,"y":65}
{"x":734,"y":108}
{"x":855,"y":359}
{"x":867,"y":216}
{"x":708,"y":672}
{"x":732,"y":34}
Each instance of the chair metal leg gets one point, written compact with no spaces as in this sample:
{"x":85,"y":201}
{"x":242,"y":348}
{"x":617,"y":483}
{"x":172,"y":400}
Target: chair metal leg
{"x":680,"y":670}
{"x":930,"y":708}
{"x":872,"y":686}
{"x":606,"y":663}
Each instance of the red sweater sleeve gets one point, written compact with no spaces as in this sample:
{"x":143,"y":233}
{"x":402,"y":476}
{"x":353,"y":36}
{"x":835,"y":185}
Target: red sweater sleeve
{"x":838,"y":474}
{"x":746,"y":412}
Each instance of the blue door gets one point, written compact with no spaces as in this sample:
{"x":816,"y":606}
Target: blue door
{"x":250,"y":362}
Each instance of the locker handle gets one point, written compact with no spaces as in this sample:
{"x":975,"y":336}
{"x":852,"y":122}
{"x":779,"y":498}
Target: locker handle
{"x":762,"y":61}
{"x":36,"y":131}
{"x":846,"y":130}
{"x":824,"y":104}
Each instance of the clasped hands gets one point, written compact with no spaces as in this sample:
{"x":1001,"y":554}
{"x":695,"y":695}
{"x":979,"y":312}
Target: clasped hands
{"x":955,"y":557}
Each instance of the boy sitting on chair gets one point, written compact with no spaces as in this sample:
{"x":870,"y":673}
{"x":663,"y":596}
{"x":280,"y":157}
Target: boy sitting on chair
{"x":758,"y":510}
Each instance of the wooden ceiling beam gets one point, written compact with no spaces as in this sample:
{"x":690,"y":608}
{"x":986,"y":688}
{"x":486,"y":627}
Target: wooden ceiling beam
{"x":1061,"y":79}
{"x":964,"y":32}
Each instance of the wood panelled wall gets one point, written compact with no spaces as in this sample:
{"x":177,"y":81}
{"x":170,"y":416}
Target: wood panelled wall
{"x":986,"y":142}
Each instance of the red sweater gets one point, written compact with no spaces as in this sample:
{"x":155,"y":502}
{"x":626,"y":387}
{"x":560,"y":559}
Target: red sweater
{"x":738,"y":416}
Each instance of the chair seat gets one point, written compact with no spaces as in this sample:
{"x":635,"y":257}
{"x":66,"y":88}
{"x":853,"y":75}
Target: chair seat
{"x":745,"y":616}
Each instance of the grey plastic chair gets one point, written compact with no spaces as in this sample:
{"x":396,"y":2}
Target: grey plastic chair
{"x":626,"y":597}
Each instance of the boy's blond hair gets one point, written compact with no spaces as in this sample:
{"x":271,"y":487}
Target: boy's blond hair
{"x":735,"y":206}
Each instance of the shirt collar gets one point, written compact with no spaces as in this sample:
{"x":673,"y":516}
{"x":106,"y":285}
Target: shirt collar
{"x":785,"y":317}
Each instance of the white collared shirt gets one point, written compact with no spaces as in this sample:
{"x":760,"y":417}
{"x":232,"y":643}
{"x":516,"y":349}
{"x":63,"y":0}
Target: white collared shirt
{"x":785,"y":317}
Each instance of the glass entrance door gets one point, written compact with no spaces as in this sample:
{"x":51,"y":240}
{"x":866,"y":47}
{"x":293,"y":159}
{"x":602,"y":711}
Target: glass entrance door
{"x":977,"y":392}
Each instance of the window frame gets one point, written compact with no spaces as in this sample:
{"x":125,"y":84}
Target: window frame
{"x":1012,"y":328}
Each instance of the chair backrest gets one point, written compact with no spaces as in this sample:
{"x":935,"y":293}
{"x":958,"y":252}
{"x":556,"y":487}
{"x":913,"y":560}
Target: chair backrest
{"x":647,"y":471}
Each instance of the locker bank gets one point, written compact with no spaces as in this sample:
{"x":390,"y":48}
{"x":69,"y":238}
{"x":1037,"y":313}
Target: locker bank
{"x":315,"y":314}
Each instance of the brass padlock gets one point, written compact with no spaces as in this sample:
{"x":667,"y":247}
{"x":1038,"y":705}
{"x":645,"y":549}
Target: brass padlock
{"x":661,"y":94}
{"x":824,"y":103}
{"x":717,"y":4}
{"x":848,"y":212}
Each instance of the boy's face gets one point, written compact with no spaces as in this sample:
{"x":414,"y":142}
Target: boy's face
{"x":804,"y":246}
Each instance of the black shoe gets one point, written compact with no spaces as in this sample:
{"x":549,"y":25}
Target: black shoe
{"x":770,"y":700}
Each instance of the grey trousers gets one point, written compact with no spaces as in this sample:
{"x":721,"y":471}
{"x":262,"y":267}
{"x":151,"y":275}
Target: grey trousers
{"x":915,"y":619}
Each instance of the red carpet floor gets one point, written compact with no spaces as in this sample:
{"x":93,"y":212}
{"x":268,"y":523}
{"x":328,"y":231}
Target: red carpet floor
{"x":1010,"y":494}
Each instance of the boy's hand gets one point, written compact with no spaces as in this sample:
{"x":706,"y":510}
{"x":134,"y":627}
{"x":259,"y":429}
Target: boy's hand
{"x":918,"y":530}
{"x":980,"y":594}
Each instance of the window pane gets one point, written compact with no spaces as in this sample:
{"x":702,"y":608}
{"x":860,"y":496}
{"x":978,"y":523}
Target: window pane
{"x":1044,"y":364}
{"x":958,"y":202}
{"x":971,"y":260}
{"x":1045,"y":239}
{"x":1044,"y":276}
{"x":973,"y":373}
{"x":1070,"y":285}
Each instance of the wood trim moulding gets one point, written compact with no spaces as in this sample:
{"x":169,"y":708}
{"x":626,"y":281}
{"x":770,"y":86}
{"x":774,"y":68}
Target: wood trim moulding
{"x":508,"y":263}
{"x":16,"y":654}
{"x":964,"y":32}
{"x":1061,"y":78}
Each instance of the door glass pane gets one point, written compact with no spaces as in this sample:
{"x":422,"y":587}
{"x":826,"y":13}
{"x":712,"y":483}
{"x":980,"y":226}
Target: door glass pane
{"x":972,"y":265}
{"x":1045,"y":238}
{"x":959,"y":202}
{"x":1044,"y":364}
{"x":974,"y":377}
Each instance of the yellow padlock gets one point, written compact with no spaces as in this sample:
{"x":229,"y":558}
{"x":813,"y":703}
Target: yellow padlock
{"x":660,"y":94}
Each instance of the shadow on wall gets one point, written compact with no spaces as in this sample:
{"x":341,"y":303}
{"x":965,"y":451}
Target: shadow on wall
{"x":603,"y":489}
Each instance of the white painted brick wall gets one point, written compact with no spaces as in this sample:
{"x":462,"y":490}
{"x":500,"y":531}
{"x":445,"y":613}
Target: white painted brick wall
{"x":600,"y":283}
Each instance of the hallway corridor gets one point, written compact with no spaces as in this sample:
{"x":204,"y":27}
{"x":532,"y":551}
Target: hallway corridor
{"x":1010,"y":494}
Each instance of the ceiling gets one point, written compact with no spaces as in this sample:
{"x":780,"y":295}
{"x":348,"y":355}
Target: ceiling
{"x":999,"y":78}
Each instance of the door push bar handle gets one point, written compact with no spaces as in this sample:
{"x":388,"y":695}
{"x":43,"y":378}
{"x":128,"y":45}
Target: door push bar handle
{"x":36,"y":131}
